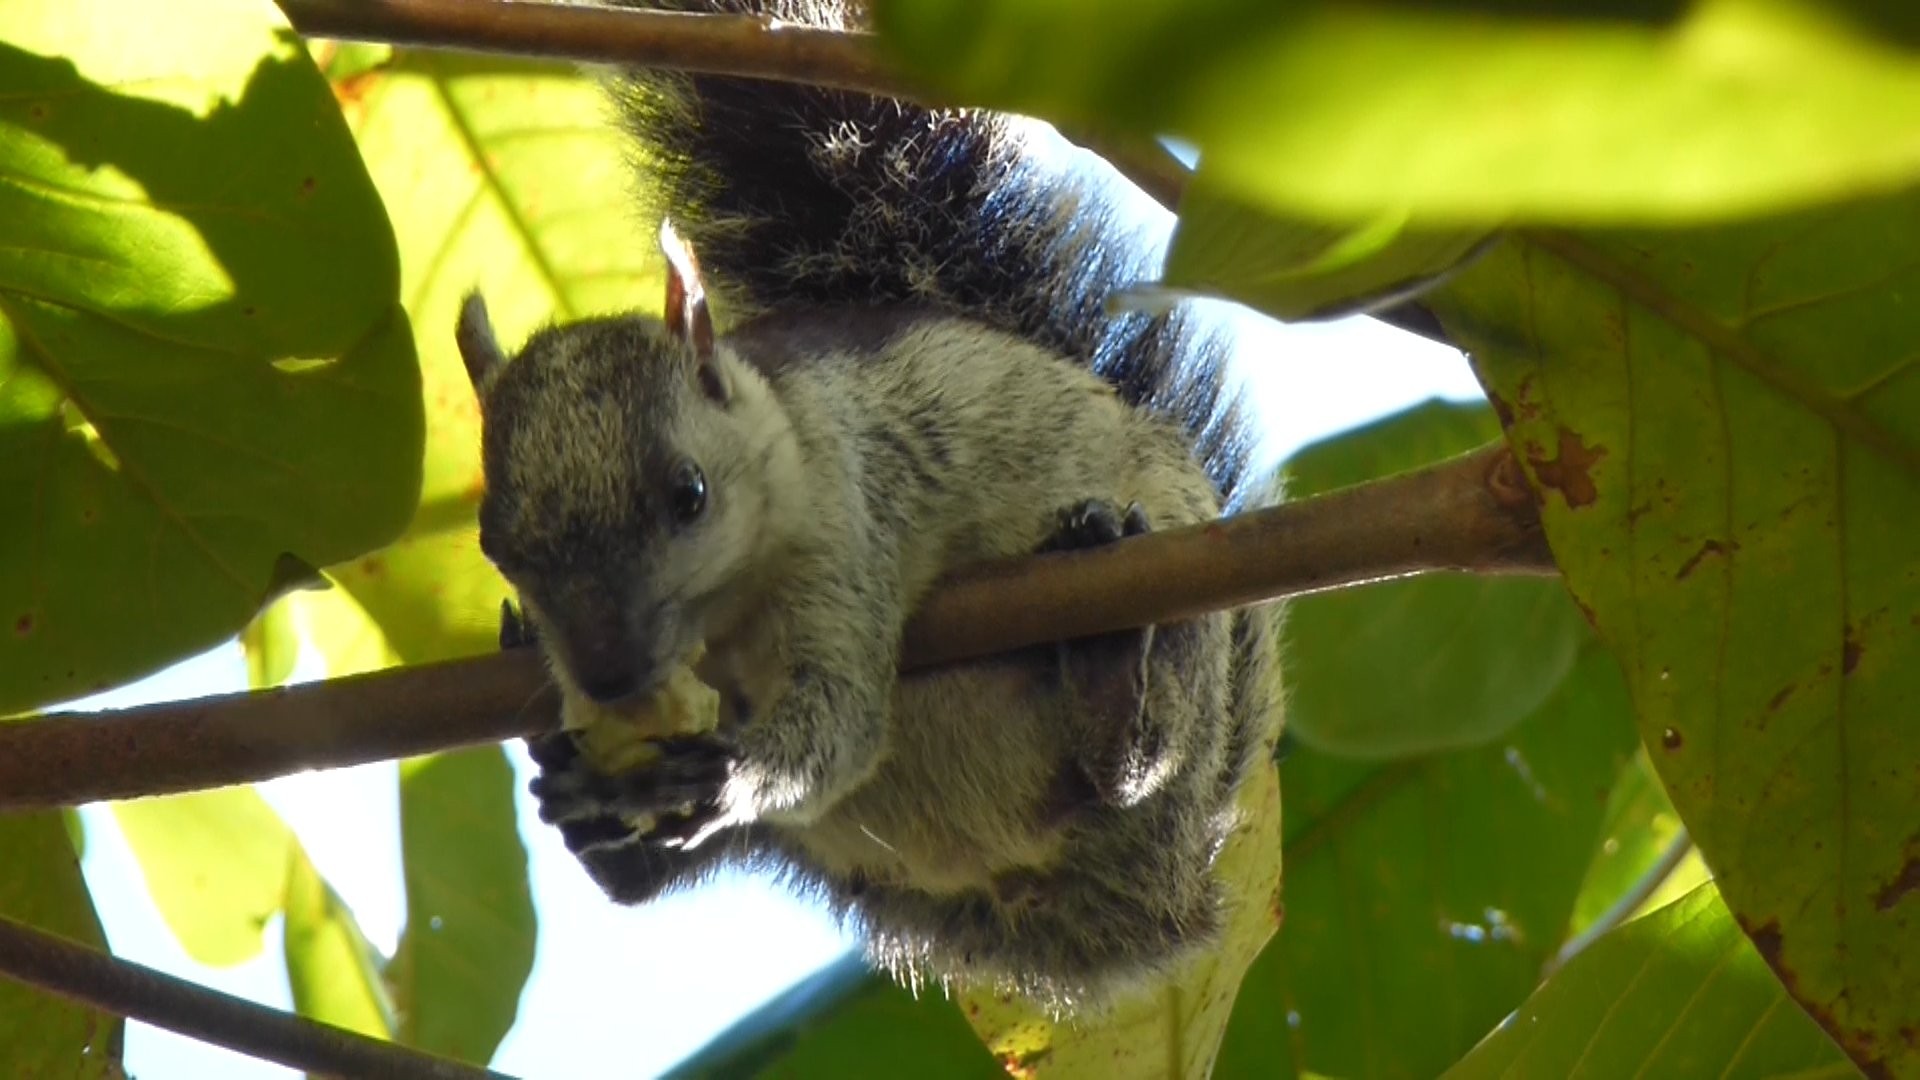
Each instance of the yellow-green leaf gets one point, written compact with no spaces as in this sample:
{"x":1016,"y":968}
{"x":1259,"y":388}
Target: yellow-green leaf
{"x":1724,"y":429}
{"x":44,"y":1035}
{"x":469,"y":939}
{"x":1479,"y":113}
{"x":197,"y":284}
{"x":215,"y":863}
{"x":332,"y":970}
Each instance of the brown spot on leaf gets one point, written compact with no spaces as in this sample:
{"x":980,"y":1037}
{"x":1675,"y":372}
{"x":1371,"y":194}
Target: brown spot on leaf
{"x":1904,"y":884}
{"x":1850,"y":652}
{"x":1672,"y":739}
{"x":353,"y":90}
{"x":1023,"y":1066}
{"x":1766,"y":940}
{"x":307,"y":185}
{"x":1586,"y":611}
{"x":23,"y":625}
{"x":1711,"y":547}
{"x":373,"y":566}
{"x":1780,"y":698}
{"x":1570,"y":470}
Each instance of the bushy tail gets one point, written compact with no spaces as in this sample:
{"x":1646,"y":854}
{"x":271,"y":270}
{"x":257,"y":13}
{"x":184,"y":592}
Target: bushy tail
{"x":797,"y":197}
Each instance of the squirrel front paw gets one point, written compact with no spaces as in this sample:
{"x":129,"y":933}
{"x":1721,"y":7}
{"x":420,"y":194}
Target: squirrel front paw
{"x":663,"y":802}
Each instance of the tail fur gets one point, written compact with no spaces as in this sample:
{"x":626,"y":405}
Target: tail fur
{"x":801,"y":197}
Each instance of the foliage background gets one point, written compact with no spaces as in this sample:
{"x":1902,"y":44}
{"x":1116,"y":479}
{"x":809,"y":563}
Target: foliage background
{"x":1700,"y":348}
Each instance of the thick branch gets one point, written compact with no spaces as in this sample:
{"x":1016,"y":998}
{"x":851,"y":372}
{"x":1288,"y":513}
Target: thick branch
{"x":1472,"y":513}
{"x":127,"y":989}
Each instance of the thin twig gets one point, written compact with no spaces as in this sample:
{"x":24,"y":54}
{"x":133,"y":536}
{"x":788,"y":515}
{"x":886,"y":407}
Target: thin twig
{"x":128,"y":989}
{"x":1629,"y":902}
{"x":749,"y":45}
{"x":1473,"y":513}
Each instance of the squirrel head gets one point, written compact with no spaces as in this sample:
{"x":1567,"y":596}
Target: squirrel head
{"x":629,"y":464}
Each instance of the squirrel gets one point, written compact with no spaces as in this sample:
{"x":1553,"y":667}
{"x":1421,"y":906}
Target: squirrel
{"x":915,"y":370}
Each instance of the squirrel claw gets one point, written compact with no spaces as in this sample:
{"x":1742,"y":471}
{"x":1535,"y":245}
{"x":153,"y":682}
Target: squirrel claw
{"x":1094,"y":522}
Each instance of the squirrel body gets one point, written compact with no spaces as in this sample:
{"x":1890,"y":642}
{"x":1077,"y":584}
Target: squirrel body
{"x":919,"y":375}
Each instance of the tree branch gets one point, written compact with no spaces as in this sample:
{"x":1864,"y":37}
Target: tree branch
{"x":750,"y":45}
{"x":747,"y":45}
{"x":1473,"y":513}
{"x":124,"y":988}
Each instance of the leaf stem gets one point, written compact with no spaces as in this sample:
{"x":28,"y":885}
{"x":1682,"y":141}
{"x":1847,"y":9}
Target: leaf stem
{"x":1629,"y":902}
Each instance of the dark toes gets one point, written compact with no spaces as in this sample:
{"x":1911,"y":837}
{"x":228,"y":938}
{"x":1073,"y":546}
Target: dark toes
{"x":689,"y":771}
{"x":600,"y":832}
{"x":1086,"y":524}
{"x":1135,"y":522}
{"x":554,"y":750}
{"x":676,"y":829}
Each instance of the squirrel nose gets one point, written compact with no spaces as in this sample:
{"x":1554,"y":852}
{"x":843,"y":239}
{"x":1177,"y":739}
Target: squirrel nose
{"x":610,"y":687}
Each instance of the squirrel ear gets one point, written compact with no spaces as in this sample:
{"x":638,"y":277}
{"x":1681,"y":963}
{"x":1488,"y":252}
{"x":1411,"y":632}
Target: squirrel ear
{"x":687,"y":317}
{"x":478,"y":348}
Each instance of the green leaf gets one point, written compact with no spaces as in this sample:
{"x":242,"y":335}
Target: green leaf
{"x":842,"y":1021}
{"x":1173,"y":1028}
{"x":1296,"y":268}
{"x":1724,"y":429}
{"x":42,"y":887}
{"x":1457,"y":113}
{"x":197,"y":284}
{"x":1430,"y":663}
{"x":332,"y":970}
{"x":469,"y":939}
{"x":1677,"y":993}
{"x":215,"y":863}
{"x":1453,"y":870}
{"x":500,"y":174}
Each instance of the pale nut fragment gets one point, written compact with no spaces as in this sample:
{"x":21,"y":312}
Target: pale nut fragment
{"x":621,"y":740}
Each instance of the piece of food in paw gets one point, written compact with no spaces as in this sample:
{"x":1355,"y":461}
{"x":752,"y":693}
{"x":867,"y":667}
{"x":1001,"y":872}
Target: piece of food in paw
{"x":620,"y":740}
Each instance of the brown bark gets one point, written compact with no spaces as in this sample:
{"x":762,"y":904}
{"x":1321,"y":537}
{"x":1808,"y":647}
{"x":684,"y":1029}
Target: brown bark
{"x":1472,"y":513}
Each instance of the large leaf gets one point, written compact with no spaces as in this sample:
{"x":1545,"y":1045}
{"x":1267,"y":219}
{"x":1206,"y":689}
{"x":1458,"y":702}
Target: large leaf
{"x":469,"y":940}
{"x":206,"y":383}
{"x":215,"y":864}
{"x":333,"y":972}
{"x":1173,"y":1029}
{"x":1724,"y":427}
{"x":1424,"y":664}
{"x":505,"y":175}
{"x":1457,"y":112}
{"x":1676,"y":993}
{"x":844,"y":1021}
{"x":44,"y":1035}
{"x":1454,"y":871}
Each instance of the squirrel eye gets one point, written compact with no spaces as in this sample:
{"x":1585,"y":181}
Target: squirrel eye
{"x":689,"y":494}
